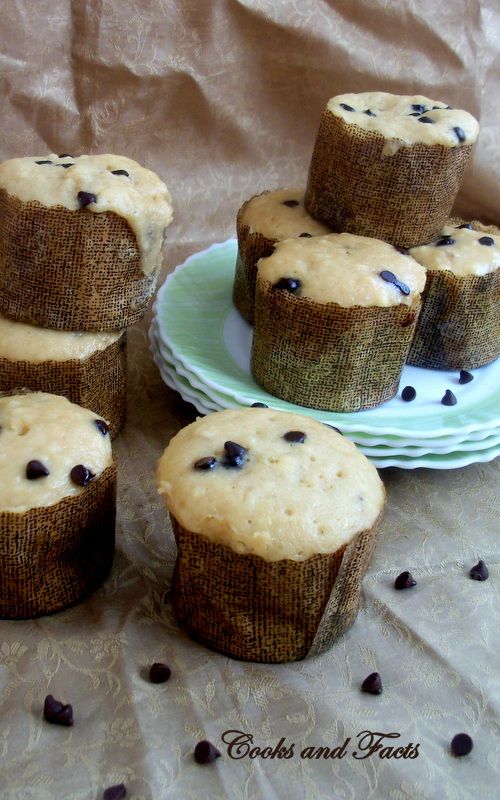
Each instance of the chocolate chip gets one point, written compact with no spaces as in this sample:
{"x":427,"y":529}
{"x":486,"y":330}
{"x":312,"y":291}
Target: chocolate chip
{"x":86,"y":198}
{"x":405,"y":580}
{"x":116,"y":792}
{"x":388,"y":276}
{"x":305,"y":235}
{"x":465,"y":225}
{"x":459,"y":134}
{"x":81,"y":475}
{"x":346,"y":107}
{"x":405,"y":251}
{"x":479,"y":572}
{"x":461,"y":744}
{"x":297,"y":437}
{"x":418,"y":107}
{"x":35,"y":470}
{"x":65,"y":155}
{"x":427,"y":120}
{"x":102,"y":426}
{"x":414,"y":114}
{"x":259,"y":405}
{"x":291,"y":203}
{"x":56,"y":712}
{"x":235,"y":454}
{"x":372,"y":684}
{"x":486,"y":240}
{"x":65,"y":166}
{"x":207,"y":462}
{"x":449,"y":398}
{"x":205,"y":752}
{"x":369,"y":113}
{"x":444,"y":240}
{"x":465,"y":377}
{"x":159,"y":673}
{"x":120,"y":172}
{"x":439,"y":108}
{"x":408,"y":394}
{"x":43,"y":162}
{"x":288,"y":284}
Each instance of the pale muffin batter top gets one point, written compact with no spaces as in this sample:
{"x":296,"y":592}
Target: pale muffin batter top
{"x":280,"y":214}
{"x":298,"y":489}
{"x":461,"y":250}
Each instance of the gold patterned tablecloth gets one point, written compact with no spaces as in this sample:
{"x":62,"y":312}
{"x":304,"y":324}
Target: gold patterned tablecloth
{"x":222,"y":98}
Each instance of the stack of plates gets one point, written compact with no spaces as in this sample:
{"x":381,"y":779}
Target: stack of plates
{"x":201,"y":346}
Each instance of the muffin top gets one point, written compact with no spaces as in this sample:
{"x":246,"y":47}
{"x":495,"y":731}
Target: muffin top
{"x":280,"y":214}
{"x":461,"y":250}
{"x":271,"y":483}
{"x":49,"y":449}
{"x":22,"y":342}
{"x":345,"y":269}
{"x":96,"y":183}
{"x":411,"y":119}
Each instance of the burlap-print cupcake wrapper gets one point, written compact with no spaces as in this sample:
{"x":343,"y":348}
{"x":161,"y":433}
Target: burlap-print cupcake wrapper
{"x":321,"y":355}
{"x":251,"y":246}
{"x":98,"y":382}
{"x":256,"y":610}
{"x":70,"y":270}
{"x":459,"y":325}
{"x":403,"y":198}
{"x":54,"y":557}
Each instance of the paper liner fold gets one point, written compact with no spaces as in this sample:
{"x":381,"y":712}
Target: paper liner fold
{"x":98,"y":382}
{"x":255,"y":610}
{"x":402,"y":198}
{"x":324,"y":356}
{"x":70,"y":270}
{"x":53,"y":557}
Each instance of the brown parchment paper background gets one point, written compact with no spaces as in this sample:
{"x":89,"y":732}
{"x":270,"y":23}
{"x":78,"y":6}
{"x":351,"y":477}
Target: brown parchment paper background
{"x":223,"y":98}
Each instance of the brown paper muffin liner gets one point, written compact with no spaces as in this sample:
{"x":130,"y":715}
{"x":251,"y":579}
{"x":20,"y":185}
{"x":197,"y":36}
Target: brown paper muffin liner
{"x":256,"y":610}
{"x":403,"y":198}
{"x":324,"y":356}
{"x":53,"y":557}
{"x":251,"y":246}
{"x":70,"y":270}
{"x":98,"y":382}
{"x":459,"y":325}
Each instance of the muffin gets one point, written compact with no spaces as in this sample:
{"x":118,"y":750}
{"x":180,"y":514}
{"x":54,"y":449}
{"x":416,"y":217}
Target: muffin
{"x":459,"y":325}
{"x":57,"y":504}
{"x":334,"y":320}
{"x":90,"y":369}
{"x":274,"y":531}
{"x":262,"y":221}
{"x":388,"y":166}
{"x":80,"y":240}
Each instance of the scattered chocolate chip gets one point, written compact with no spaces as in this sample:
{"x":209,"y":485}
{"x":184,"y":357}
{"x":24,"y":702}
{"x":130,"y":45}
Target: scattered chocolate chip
{"x":294,"y":436}
{"x":427,"y":120}
{"x":444,"y":240}
{"x":35,"y":470}
{"x":461,"y":744}
{"x":372,"y":684}
{"x":369,"y":113}
{"x":235,"y":454}
{"x":81,"y":475}
{"x":120,"y":172}
{"x":207,"y":462}
{"x":464,"y":225}
{"x":459,"y":134}
{"x":56,"y":712}
{"x":259,"y":405}
{"x":418,"y":107}
{"x":449,"y":398}
{"x":305,"y":235}
{"x":486,"y":240}
{"x":346,"y":107}
{"x":159,"y":673}
{"x":86,"y":198}
{"x":479,"y":572}
{"x":405,"y":580}
{"x":408,"y":394}
{"x":288,"y":284}
{"x":65,"y":155}
{"x":116,"y":792}
{"x":291,"y":203}
{"x":205,"y":752}
{"x":43,"y":162}
{"x":65,"y":166}
{"x":388,"y":276}
{"x":465,"y":377}
{"x":102,"y":426}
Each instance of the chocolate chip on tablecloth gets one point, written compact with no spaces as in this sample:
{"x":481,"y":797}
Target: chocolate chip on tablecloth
{"x":288,"y":284}
{"x":488,"y":241}
{"x":461,"y":744}
{"x":234,"y":454}
{"x":408,"y":394}
{"x":372,"y":684}
{"x":390,"y":277}
{"x":479,"y":572}
{"x":159,"y":672}
{"x":465,"y":376}
{"x":116,"y":792}
{"x":86,"y":198}
{"x":259,"y":405}
{"x":449,"y":398}
{"x":291,"y":203}
{"x":56,"y":712}
{"x":297,"y":437}
{"x":205,"y":752}
{"x":102,"y":426}
{"x":81,"y":475}
{"x":35,"y":469}
{"x":405,"y":580}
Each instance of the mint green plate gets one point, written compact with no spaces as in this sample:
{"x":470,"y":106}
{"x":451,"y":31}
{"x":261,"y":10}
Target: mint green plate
{"x":198,"y":323}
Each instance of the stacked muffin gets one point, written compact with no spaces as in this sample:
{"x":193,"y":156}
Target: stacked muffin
{"x":80,"y":253}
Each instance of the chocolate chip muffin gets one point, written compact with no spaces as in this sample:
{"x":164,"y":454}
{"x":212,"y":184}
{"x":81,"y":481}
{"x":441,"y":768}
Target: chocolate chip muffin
{"x":80,"y":240}
{"x":334,"y":319}
{"x":274,"y":516}
{"x":57,"y":504}
{"x":262,"y":221}
{"x":90,"y":369}
{"x":388,"y":166}
{"x":459,"y":325}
